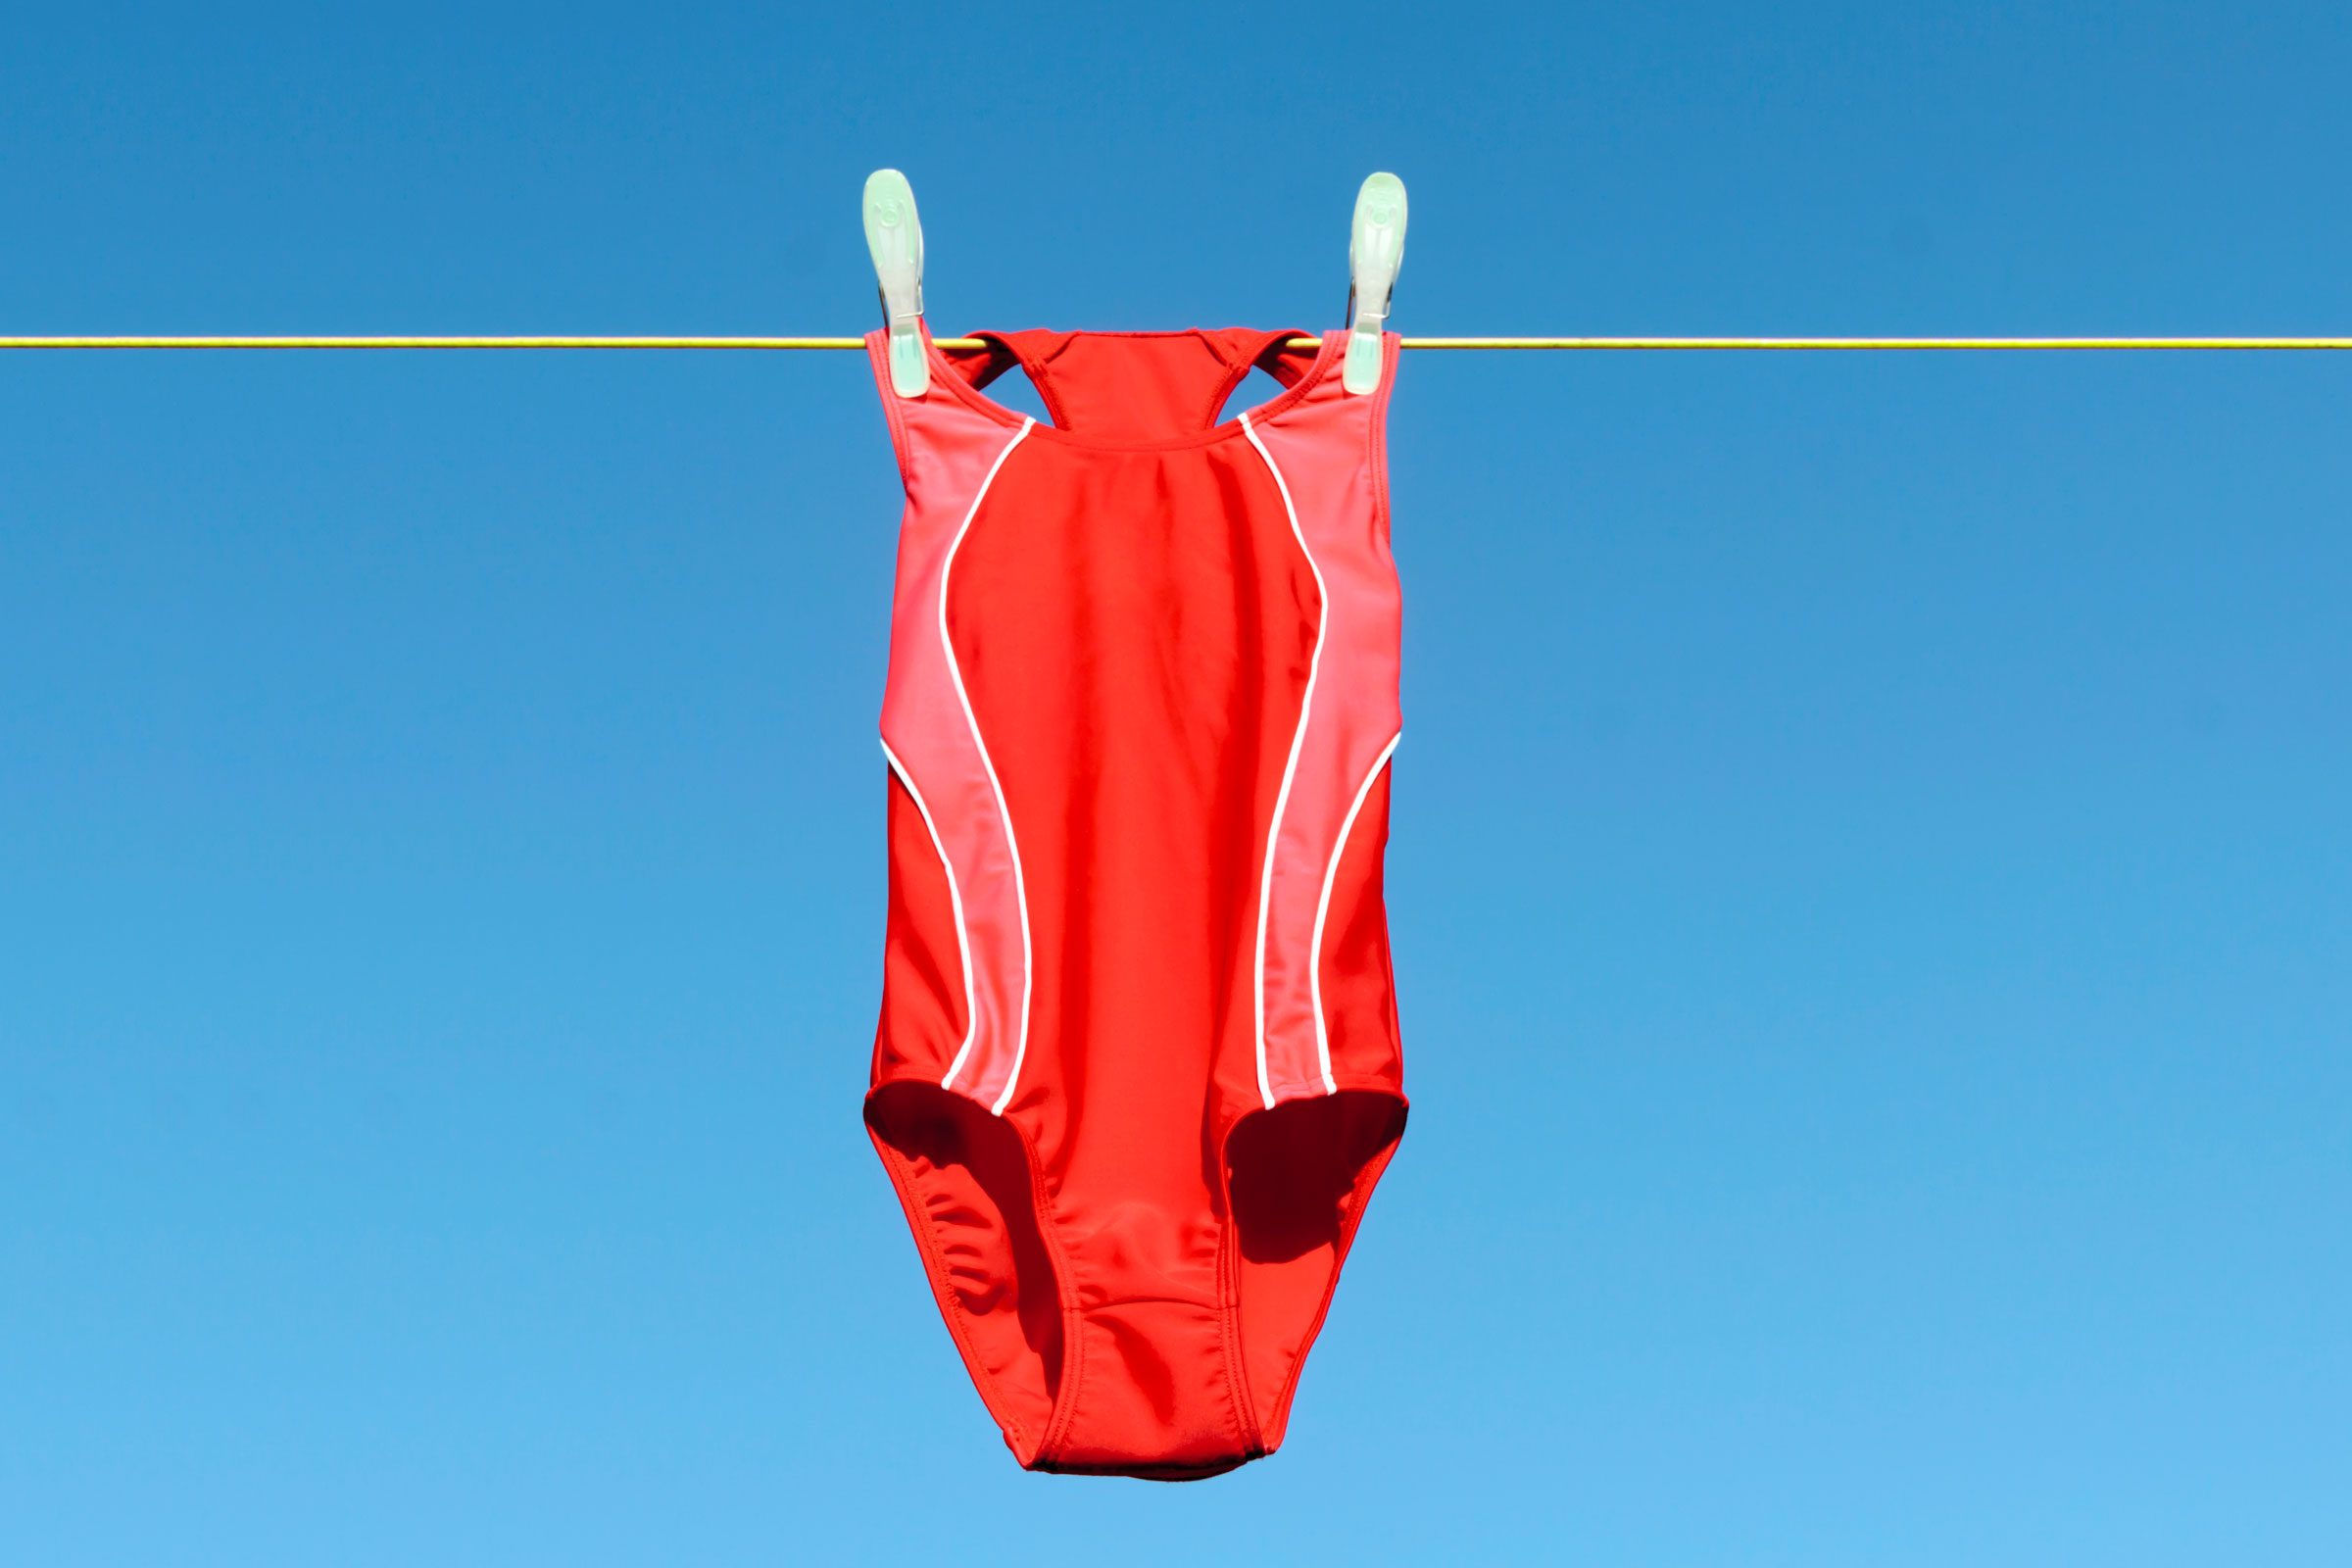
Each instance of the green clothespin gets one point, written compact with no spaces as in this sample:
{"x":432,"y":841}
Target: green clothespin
{"x":894,"y":237}
{"x":1375,"y":251}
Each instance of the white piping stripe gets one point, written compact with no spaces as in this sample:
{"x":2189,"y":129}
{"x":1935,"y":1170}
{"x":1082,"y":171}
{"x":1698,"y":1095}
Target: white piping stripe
{"x":963,"y":942}
{"x":1282,"y":801}
{"x":1331,"y":874}
{"x":1020,"y":892}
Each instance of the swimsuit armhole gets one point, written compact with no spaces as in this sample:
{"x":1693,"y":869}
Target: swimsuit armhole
{"x":877,"y":359}
{"x":1377,"y":432}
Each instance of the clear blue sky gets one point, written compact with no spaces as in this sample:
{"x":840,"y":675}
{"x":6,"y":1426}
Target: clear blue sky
{"x":1871,"y":878}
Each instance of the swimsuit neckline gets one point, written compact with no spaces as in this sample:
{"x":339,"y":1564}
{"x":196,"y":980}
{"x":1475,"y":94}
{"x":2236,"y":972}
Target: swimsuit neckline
{"x":943,"y":371}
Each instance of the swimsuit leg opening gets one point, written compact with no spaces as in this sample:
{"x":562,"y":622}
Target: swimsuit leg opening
{"x":968,"y":1183}
{"x":1298,"y":1177}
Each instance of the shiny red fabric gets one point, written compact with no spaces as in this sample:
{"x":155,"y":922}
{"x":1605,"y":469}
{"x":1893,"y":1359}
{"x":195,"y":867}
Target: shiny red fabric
{"x":1137,"y":1068}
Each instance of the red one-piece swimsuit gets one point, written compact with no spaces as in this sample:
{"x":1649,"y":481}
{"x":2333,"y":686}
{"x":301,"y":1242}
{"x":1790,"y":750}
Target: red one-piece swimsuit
{"x":1138,"y":1066}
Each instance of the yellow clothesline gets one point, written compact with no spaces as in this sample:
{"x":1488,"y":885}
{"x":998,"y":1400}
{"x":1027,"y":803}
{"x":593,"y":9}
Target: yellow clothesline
{"x":1782,"y":344}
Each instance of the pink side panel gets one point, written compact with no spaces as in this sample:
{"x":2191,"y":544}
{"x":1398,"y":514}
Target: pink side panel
{"x":946,"y":451}
{"x":1326,"y":448}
